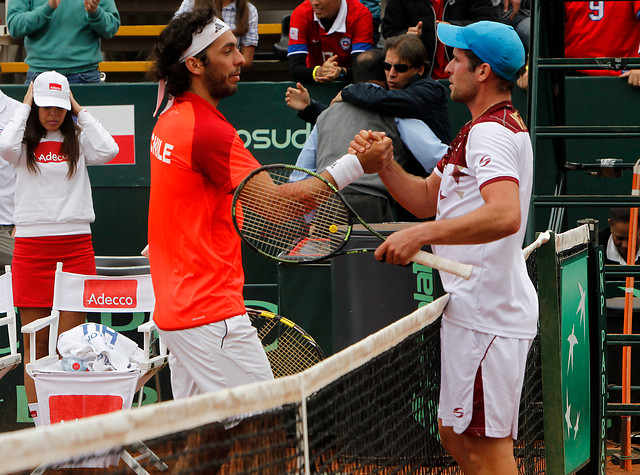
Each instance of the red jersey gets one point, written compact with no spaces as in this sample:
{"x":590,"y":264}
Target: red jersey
{"x":441,"y":54}
{"x":602,"y":29}
{"x":197,"y":161}
{"x":351,"y":33}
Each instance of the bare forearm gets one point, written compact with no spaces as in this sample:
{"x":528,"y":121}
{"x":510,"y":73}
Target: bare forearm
{"x":410,"y":191}
{"x":488,"y":223}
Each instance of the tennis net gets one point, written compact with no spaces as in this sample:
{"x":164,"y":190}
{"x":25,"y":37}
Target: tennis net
{"x":370,"y":409}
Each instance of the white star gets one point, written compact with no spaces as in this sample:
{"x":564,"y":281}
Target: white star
{"x":581,"y":309}
{"x":567,"y":416}
{"x":572,"y":342}
{"x":575,"y":428}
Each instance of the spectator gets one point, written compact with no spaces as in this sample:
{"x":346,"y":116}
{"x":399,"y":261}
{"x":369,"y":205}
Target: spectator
{"x":615,"y":238}
{"x":242,"y":18}
{"x":324,"y":37}
{"x":8,"y":108}
{"x":63,"y":35}
{"x":603,"y":29}
{"x":374,"y":8}
{"x":409,"y":96}
{"x":420,"y":18}
{"x":53,"y":205}
{"x":516,"y":13}
{"x":337,"y":125}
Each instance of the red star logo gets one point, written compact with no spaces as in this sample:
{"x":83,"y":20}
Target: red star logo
{"x":457,"y":173}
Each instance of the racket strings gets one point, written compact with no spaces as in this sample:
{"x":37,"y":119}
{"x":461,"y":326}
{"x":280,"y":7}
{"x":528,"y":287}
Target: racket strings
{"x":302,"y":220}
{"x":288,"y":348}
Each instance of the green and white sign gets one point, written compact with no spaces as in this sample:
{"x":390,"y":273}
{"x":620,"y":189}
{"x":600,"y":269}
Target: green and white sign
{"x":575,"y":362}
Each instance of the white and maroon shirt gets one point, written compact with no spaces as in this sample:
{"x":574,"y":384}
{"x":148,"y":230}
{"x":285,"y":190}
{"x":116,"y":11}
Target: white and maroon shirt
{"x":48,"y":203}
{"x":499,"y":298}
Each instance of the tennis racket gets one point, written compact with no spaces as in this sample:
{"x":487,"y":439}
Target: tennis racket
{"x":305,"y":221}
{"x":289,"y":348}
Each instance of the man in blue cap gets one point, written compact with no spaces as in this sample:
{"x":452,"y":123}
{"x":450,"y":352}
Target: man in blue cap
{"x":479,"y":194}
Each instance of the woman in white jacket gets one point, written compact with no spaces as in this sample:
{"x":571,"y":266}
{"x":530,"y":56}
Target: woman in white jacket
{"x":53,"y":204}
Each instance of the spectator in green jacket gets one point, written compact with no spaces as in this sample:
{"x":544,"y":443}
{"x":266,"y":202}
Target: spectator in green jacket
{"x":63,"y":35}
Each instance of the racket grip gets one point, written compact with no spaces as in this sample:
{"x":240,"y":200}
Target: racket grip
{"x":443,"y":264}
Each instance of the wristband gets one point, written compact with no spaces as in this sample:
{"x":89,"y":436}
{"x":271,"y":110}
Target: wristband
{"x":315,"y":70}
{"x":346,"y":170}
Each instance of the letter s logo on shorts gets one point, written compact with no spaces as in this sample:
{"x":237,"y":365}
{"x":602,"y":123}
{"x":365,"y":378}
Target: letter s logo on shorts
{"x":110,"y":293}
{"x":458,"y":412}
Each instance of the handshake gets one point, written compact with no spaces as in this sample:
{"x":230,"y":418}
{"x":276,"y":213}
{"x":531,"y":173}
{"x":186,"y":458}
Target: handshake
{"x":373,"y":149}
{"x":369,"y":152}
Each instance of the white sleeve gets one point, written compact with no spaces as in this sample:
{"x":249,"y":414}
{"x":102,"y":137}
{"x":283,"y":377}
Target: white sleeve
{"x":97,"y":144}
{"x":425,"y":146}
{"x":11,"y":147}
{"x":492,"y":152}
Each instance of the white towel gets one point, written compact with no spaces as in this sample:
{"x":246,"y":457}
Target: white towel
{"x":103,"y":348}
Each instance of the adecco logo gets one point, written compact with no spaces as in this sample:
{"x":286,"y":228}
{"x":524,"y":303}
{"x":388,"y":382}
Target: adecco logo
{"x":110,"y":293}
{"x":261,"y":139}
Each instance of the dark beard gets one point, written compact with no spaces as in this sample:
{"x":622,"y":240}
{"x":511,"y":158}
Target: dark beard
{"x":218,"y":87}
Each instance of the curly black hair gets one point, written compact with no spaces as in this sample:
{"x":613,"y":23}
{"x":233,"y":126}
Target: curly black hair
{"x":173,"y":41}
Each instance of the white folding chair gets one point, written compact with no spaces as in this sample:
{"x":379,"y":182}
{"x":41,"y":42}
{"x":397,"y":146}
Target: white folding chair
{"x":10,"y":361}
{"x":98,"y":293}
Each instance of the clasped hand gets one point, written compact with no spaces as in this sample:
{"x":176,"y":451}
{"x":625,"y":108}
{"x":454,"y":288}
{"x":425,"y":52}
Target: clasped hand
{"x":373,"y":149}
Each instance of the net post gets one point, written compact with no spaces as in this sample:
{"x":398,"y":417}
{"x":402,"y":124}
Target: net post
{"x":550,"y":347}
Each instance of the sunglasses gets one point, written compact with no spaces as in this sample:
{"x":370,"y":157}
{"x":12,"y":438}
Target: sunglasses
{"x":400,"y":67}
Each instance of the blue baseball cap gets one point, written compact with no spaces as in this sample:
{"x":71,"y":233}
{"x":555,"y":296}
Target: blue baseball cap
{"x":494,"y":43}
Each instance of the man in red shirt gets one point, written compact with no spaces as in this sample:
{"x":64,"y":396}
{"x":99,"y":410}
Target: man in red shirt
{"x":197,"y":160}
{"x":603,"y":29}
{"x":323,"y":37}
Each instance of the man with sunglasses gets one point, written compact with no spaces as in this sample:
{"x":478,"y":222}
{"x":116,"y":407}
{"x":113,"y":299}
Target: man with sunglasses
{"x":479,"y":194}
{"x":338,"y":124}
{"x":410,"y":95}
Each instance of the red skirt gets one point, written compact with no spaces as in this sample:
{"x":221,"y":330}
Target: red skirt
{"x":34,"y":265}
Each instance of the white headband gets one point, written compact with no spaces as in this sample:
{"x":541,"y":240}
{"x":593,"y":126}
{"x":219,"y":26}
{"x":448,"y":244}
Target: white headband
{"x":208,"y":35}
{"x":199,"y":43}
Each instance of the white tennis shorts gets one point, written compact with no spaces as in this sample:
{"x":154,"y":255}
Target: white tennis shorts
{"x":215,"y":356}
{"x":481,"y":381}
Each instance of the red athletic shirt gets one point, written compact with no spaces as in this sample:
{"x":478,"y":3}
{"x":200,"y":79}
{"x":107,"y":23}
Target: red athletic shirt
{"x":352,"y":33}
{"x":197,"y":160}
{"x":441,"y":54}
{"x":602,"y":29}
